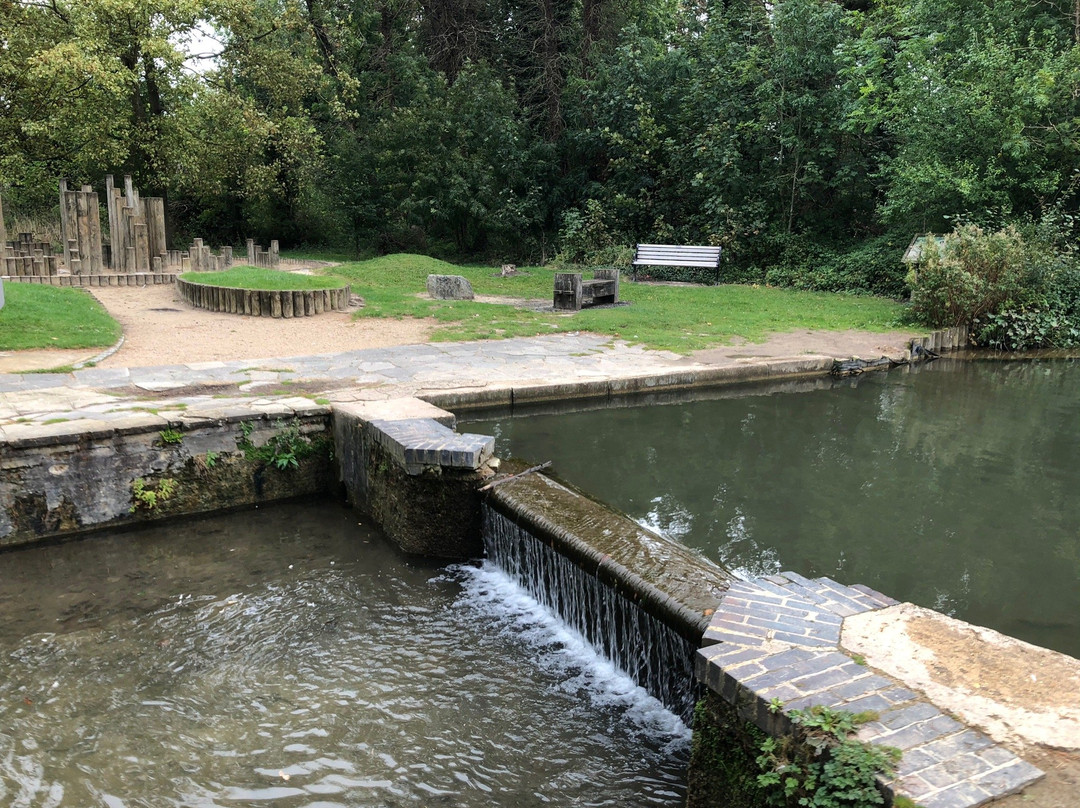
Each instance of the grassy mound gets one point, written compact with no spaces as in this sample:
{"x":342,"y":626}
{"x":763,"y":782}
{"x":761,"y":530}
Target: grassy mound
{"x":267,"y":280}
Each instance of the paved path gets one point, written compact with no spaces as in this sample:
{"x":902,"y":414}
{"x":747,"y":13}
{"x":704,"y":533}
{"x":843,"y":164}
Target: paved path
{"x":380,"y":373}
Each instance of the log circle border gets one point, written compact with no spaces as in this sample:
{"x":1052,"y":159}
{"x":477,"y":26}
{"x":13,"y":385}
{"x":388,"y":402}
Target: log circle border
{"x":276,"y":303}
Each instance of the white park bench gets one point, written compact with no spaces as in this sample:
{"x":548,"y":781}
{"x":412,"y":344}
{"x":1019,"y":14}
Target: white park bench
{"x":675,"y":255}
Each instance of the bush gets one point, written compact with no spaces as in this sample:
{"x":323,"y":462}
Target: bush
{"x":1025,"y":330}
{"x":870,"y":267}
{"x":973,"y":274}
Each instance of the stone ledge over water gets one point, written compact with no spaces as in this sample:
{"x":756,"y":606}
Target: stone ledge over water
{"x":778,"y":639}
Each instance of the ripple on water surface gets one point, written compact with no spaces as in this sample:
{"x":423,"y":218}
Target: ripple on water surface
{"x":288,"y":657}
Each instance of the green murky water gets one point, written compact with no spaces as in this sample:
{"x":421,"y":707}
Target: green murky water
{"x":955,"y":485}
{"x":289,"y":657}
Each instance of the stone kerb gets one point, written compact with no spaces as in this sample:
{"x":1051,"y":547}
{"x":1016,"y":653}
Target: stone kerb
{"x":286,"y":303}
{"x":777,"y":640}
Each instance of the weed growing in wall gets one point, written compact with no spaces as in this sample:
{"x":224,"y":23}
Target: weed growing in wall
{"x":820,"y":765}
{"x":148,"y":496}
{"x":283,"y":450}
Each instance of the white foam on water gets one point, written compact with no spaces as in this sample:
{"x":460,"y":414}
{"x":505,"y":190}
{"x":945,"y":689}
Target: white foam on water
{"x":510,"y":610}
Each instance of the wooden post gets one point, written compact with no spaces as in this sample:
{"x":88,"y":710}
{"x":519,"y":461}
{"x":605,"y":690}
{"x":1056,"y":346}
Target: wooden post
{"x":155,"y":224}
{"x":273,"y":258}
{"x":110,"y":206}
{"x":64,"y":235}
{"x":3,"y":231}
{"x":251,"y":252}
{"x":142,"y":248}
{"x":93,"y":230}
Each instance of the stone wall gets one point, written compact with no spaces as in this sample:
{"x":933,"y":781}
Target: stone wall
{"x":73,"y":477}
{"x":401,"y":463}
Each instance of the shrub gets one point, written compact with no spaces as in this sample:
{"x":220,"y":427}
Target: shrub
{"x":974,"y":273}
{"x":870,"y":267}
{"x":1025,"y":330}
{"x":586,"y":239}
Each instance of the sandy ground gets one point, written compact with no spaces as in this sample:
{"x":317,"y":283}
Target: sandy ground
{"x":161,"y":329}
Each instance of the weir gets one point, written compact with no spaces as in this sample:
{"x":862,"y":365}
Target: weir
{"x":652,"y":653}
{"x":640,"y":599}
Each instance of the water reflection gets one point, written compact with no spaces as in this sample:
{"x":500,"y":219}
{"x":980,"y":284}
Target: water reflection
{"x":289,"y":657}
{"x":953,"y":486}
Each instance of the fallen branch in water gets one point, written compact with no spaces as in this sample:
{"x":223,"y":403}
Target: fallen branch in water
{"x":494,"y":483}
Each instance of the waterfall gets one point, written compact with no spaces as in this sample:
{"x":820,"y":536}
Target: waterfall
{"x":651,"y":652}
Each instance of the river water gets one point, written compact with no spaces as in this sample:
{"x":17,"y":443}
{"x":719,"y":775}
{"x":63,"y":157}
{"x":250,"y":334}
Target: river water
{"x":288,"y":656}
{"x":955,"y":485}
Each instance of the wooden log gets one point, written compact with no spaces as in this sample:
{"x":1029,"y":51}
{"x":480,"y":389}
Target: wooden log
{"x":155,"y":224}
{"x":251,"y":252}
{"x":317,"y":299}
{"x":274,"y":257}
{"x":93,"y":230}
{"x":65,"y":235}
{"x":275,"y":304}
{"x":110,"y":210}
{"x":286,"y":305}
{"x":142,"y":248}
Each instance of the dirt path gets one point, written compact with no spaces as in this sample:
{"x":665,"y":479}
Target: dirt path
{"x":161,"y":329}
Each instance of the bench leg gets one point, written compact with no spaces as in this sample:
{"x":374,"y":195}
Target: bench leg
{"x":567,"y":291}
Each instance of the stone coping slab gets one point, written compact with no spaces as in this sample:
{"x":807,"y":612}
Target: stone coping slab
{"x":778,"y":639}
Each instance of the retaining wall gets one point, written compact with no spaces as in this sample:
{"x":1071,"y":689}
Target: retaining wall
{"x":68,"y":478}
{"x":261,"y":303}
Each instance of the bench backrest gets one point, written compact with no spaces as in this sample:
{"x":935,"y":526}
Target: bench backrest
{"x":674,"y":255}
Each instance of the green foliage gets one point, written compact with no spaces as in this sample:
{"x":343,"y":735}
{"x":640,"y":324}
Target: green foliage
{"x":171,"y":437}
{"x":38,"y":316}
{"x":869,"y":267}
{"x":721,"y":770}
{"x":283,"y":450}
{"x":149,"y":496}
{"x":974,"y":273}
{"x":586,"y":239}
{"x":809,"y":139}
{"x":821,"y":766}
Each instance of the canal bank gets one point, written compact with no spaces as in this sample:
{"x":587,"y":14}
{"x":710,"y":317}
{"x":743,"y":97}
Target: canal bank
{"x":276,"y":412}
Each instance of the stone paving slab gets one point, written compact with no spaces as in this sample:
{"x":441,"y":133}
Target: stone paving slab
{"x":778,"y":638}
{"x":512,"y":370}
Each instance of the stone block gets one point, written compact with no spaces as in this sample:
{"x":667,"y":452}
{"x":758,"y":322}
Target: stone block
{"x":449,"y":287}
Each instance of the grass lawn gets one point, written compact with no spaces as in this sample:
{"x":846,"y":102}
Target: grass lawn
{"x":676,"y":318}
{"x":245,"y":277}
{"x":37,"y":316}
